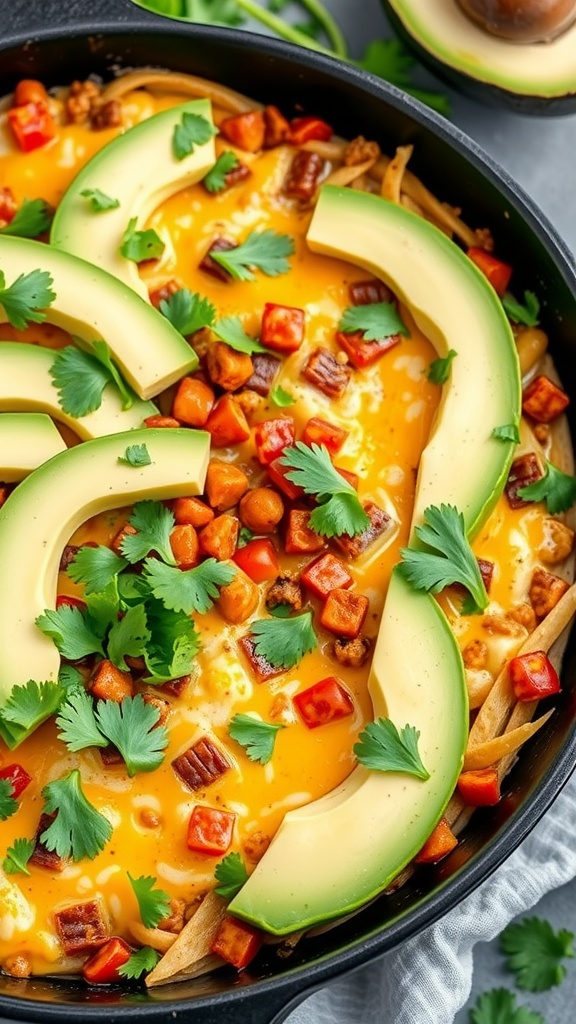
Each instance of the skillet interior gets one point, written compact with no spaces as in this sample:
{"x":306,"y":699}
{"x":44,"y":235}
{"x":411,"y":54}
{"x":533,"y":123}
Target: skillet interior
{"x":74,"y":45}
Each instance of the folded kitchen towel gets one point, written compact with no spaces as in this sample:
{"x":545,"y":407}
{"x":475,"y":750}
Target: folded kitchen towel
{"x":428,"y":979}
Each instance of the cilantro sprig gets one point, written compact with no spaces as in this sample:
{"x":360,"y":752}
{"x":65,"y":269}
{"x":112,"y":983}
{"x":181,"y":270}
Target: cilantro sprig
{"x":28,"y":706}
{"x":131,"y":726}
{"x":153,"y":904}
{"x":556,"y":488}
{"x":256,"y":736}
{"x":32,"y":219}
{"x":188,"y":312}
{"x":26,"y":300}
{"x":499,"y":1007}
{"x":188,"y":590}
{"x":192,"y":130}
{"x":439,"y":369}
{"x":526,"y":313}
{"x":230,"y":330}
{"x":99,"y":201}
{"x":136,"y":455}
{"x":72,"y":631}
{"x":261,"y":250}
{"x":78,"y":830}
{"x":284,"y":642}
{"x":231,"y":874}
{"x":507,"y":432}
{"x":17,"y":857}
{"x":8,"y":804}
{"x":80,"y":377}
{"x":95,"y":568}
{"x":377,"y":320}
{"x":142,"y":961}
{"x":535,"y":953}
{"x":153,"y":523}
{"x":339,"y":510}
{"x":215,"y":180}
{"x":139,"y":246}
{"x":384,"y":748}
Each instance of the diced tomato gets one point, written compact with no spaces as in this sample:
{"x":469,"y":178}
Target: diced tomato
{"x":277,"y":128}
{"x":282,"y":327}
{"x":438,"y":845}
{"x":272,"y":437}
{"x":308,"y":129}
{"x":326,"y":701}
{"x":318,"y":431}
{"x":162,"y":421}
{"x":480,"y":788}
{"x":18,"y":776}
{"x":65,"y":601}
{"x":227,"y":423}
{"x":363,"y":353}
{"x":497,"y":272}
{"x":8,"y":206}
{"x":278,"y":476}
{"x":29,"y":90}
{"x":210,"y":830}
{"x":258,"y":559}
{"x":533,"y":676}
{"x":245,"y":130}
{"x":102,"y":967}
{"x":300,"y":537}
{"x":325,"y":574}
{"x":32,"y":125}
{"x":543,"y":400}
{"x":236,"y":942}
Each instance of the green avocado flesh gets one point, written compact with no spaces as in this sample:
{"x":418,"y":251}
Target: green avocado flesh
{"x":335,"y":854}
{"x":26,"y":386}
{"x":140,"y":171}
{"x":26,"y":441}
{"x":93,"y":306}
{"x":533,"y":69}
{"x":43,"y":512}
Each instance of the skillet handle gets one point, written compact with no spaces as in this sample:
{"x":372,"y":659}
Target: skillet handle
{"x":23,"y":18}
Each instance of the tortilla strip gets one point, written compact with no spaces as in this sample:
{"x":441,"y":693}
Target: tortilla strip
{"x":158,"y":938}
{"x":393,"y":176}
{"x":203,"y":966}
{"x":192,"y":944}
{"x":172,"y":81}
{"x":346,"y":174}
{"x":486,"y":754}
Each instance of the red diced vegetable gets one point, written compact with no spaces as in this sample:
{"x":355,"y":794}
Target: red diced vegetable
{"x":258,"y":559}
{"x":18,"y":776}
{"x":486,"y":572}
{"x":344,"y":613}
{"x":193,"y":402}
{"x":543,"y":400}
{"x":277,"y":473}
{"x":276,"y":127}
{"x":42,"y":857}
{"x":227,"y":423}
{"x":164,"y":292}
{"x":363,"y":353}
{"x":81,"y":927}
{"x":309,"y":129}
{"x":245,"y":130}
{"x":438,"y":845}
{"x":526,"y":469}
{"x":300,"y":537}
{"x":352,"y":478}
{"x":8,"y":206}
{"x":102,"y":967}
{"x":210,"y":830}
{"x":497,"y":272}
{"x":272,"y":437}
{"x":66,"y":601}
{"x":319,"y":431}
{"x":480,"y":788}
{"x":326,"y":574}
{"x":29,"y":90}
{"x":324,"y":702}
{"x":110,"y":683}
{"x":236,"y":942}
{"x":261,"y":667}
{"x":32,"y":125}
{"x":162,"y":421}
{"x":282,"y":327}
{"x":533,"y":676}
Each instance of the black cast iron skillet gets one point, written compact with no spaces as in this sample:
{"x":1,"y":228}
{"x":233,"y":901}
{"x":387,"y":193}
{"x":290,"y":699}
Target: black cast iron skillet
{"x":59,"y":41}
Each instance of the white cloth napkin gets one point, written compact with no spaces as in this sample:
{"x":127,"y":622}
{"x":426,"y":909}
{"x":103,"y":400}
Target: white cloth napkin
{"x":428,"y":979}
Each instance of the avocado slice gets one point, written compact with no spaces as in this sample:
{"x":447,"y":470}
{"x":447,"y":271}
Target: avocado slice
{"x":139,"y":170}
{"x":39,"y":517}
{"x":26,"y":385}
{"x":93,"y":305}
{"x":333,"y":855}
{"x":525,"y":76}
{"x":26,"y":441}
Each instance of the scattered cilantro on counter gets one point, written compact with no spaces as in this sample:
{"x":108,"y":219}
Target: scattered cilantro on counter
{"x":261,"y":250}
{"x":439,"y":369}
{"x":192,"y":130}
{"x":78,"y":830}
{"x":32,"y":219}
{"x":80,"y":378}
{"x":96,"y":568}
{"x":283,"y":399}
{"x":383,"y":748}
{"x":507,"y":432}
{"x":99,"y":201}
{"x":139,"y":246}
{"x":27,"y":298}
{"x":556,"y":488}
{"x":188,"y":312}
{"x":141,"y":962}
{"x":153,"y":523}
{"x":256,"y":736}
{"x":339,"y":510}
{"x":215,"y":180}
{"x":136,"y":455}
{"x":17,"y":857}
{"x":188,"y":590}
{"x":377,"y":320}
{"x":230,"y":330}
{"x":284,"y":642}
{"x":153,"y":904}
{"x":535,"y":952}
{"x":231,"y":874}
{"x":527,"y":313}
{"x":8,"y":804}
{"x":499,"y":1007}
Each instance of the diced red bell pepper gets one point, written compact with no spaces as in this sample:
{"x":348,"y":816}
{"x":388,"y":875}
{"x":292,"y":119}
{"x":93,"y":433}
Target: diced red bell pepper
{"x":326,"y":701}
{"x":210,"y":830}
{"x":497,"y":272}
{"x":65,"y":601}
{"x":325,"y":574}
{"x":272,"y":437}
{"x":308,"y":129}
{"x":32,"y":124}
{"x":279,"y":477}
{"x":300,"y":537}
{"x":480,"y":788}
{"x":18,"y":776}
{"x":282,"y":327}
{"x":319,"y":431}
{"x":236,"y":942}
{"x":277,"y":127}
{"x":543,"y":400}
{"x":162,"y":421}
{"x":533,"y":676}
{"x":102,"y":967}
{"x":245,"y":130}
{"x":438,"y":845}
{"x":258,"y":559}
{"x":363,"y":353}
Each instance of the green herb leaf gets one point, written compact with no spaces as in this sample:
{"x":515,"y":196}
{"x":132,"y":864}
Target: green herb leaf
{"x":27,"y":298}
{"x":215,"y":180}
{"x":153,"y":523}
{"x":284,"y":642}
{"x":17,"y":856}
{"x":507,"y":432}
{"x":527,"y":313}
{"x":132,"y":727}
{"x":80,"y":378}
{"x":77,"y":723}
{"x":8,"y":804}
{"x":71,"y":679}
{"x":141,"y":962}
{"x":449,"y":558}
{"x":244,"y":537}
{"x":499,"y":1007}
{"x":281,"y":611}
{"x":283,"y":399}
{"x":99,"y":201}
{"x":173,"y":646}
{"x":78,"y":830}
{"x":232,"y":874}
{"x":341,"y":514}
{"x":71,"y":631}
{"x":256,"y":736}
{"x":535,"y":953}
{"x":32,"y":219}
{"x":102,"y":608}
{"x":340,"y":510}
{"x":383,"y":748}
{"x":188,"y":590}
{"x":556,"y":488}
{"x":377,"y":320}
{"x":136,"y":455}
{"x":188,"y":312}
{"x":439,"y":369}
{"x":389,"y":59}
{"x":30,"y":705}
{"x":129,"y":636}
{"x":96,"y":568}
{"x":153,"y":904}
{"x":230,"y":330}
{"x":191,"y":131}
{"x":139,"y":246}
{"x":263,"y":250}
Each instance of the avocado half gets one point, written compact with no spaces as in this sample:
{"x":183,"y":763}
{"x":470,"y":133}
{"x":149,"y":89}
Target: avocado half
{"x":530,"y":78}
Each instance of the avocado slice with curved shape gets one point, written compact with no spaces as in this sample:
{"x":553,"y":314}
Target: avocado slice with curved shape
{"x":335,"y":854}
{"x":26,"y":386}
{"x":138,"y":169}
{"x":27,"y":440}
{"x":41,"y":514}
{"x":92,"y":305}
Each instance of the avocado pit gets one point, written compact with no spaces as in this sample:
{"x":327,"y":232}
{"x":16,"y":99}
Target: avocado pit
{"x":522,"y":21}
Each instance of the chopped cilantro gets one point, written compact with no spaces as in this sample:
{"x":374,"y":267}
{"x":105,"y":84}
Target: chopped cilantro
{"x":8,"y":805}
{"x":132,"y":726}
{"x":32,"y":219}
{"x":556,"y":488}
{"x":284,"y":642}
{"x":258,"y":737}
{"x":230,"y":330}
{"x":507,"y":432}
{"x":28,"y":706}
{"x":376,"y":320}
{"x":142,"y":961}
{"x":232,"y":874}
{"x":173,"y":646}
{"x":188,"y":590}
{"x":499,"y":1007}
{"x":99,"y":201}
{"x":136,"y":455}
{"x":80,"y":378}
{"x":71,"y":679}
{"x":339,"y":510}
{"x":153,"y":904}
{"x":244,"y":537}
{"x":439,"y":369}
{"x":129,"y":636}
{"x":139,"y":246}
{"x":192,"y":130}
{"x":78,"y":830}
{"x":17,"y":857}
{"x":71,"y":631}
{"x":263,"y":250}
{"x":385,"y":749}
{"x":215,"y":180}
{"x":283,"y":399}
{"x":527,"y":313}
{"x":27,"y":298}
{"x":153,"y":523}
{"x":535,"y":953}
{"x":188,"y":312}
{"x":77,"y":724}
{"x":96,"y":568}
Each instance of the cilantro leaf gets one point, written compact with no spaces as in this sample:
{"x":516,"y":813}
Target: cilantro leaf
{"x":191,"y":131}
{"x":77,"y":723}
{"x":340,"y":510}
{"x":258,"y":737}
{"x":17,"y":856}
{"x":136,"y":455}
{"x":556,"y":488}
{"x":129,"y":636}
{"x":389,"y":59}
{"x":102,"y":352}
{"x":71,"y":631}
{"x":283,"y":399}
{"x":141,"y":962}
{"x":439,"y":369}
{"x":535,"y":953}
{"x":8,"y":804}
{"x":188,"y":590}
{"x":376,"y":319}
{"x":499,"y":1007}
{"x":78,"y":830}
{"x":99,"y":201}
{"x":231,"y":873}
{"x":153,"y":904}
{"x":244,"y":537}
{"x":527,"y":313}
{"x":102,"y":608}
{"x":230,"y":330}
{"x":96,"y":568}
{"x":264,"y":250}
{"x":383,"y":748}
{"x":139,"y":246}
{"x":32,"y":219}
{"x":71,"y":679}
{"x":153,"y":523}
{"x":80,"y":378}
{"x":449,"y":558}
{"x":215,"y":180}
{"x":30,"y":705}
{"x":507,"y":432}
{"x":188,"y":312}
{"x":173,"y":646}
{"x":27,"y":298}
{"x":284,"y":642}
{"x":132,"y":727}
